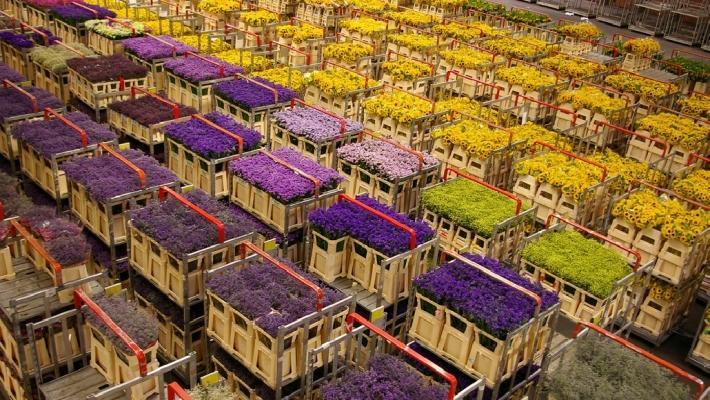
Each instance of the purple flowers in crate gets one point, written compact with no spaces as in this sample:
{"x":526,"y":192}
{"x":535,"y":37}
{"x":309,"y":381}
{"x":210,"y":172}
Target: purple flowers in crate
{"x":209,"y":142}
{"x":39,"y":39}
{"x":315,"y":125}
{"x":141,"y":327}
{"x":13,"y":201}
{"x":197,"y":70}
{"x":17,"y":40}
{"x":10,"y":74}
{"x":107,"y":68}
{"x":384,"y":159}
{"x":74,"y":14}
{"x":13,"y":103}
{"x":492,"y":305}
{"x":269,"y":296}
{"x":385,"y":378}
{"x":45,"y":3}
{"x":62,"y":238}
{"x":148,"y":110}
{"x":148,"y":48}
{"x":248,"y":95}
{"x":54,"y":137}
{"x":281,"y":182}
{"x":345,"y":218}
{"x":105,"y":176}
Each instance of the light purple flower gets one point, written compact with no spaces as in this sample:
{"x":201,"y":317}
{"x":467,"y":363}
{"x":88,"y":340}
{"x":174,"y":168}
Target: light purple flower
{"x":384,"y":159}
{"x":313,"y":124}
{"x":197,"y":70}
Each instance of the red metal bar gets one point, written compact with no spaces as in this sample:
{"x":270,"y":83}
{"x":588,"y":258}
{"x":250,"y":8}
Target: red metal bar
{"x":15,"y":227}
{"x":605,"y":172}
{"x":410,"y":231}
{"x":164,"y":191}
{"x":316,"y":181}
{"x":6,"y":83}
{"x":2,"y":211}
{"x":326,"y":112}
{"x":548,"y":105}
{"x":698,"y":156}
{"x":176,"y":392}
{"x":207,"y":60}
{"x":89,"y":9}
{"x":175,"y":106}
{"x":326,"y":62}
{"x":516,"y":199}
{"x":353,"y":317}
{"x":129,"y":164}
{"x":490,"y":85}
{"x":628,"y":132}
{"x":124,"y":23}
{"x":37,"y":31}
{"x":319,"y":292}
{"x":84,"y":138}
{"x":267,"y":87}
{"x":165,"y":42}
{"x":219,"y":129}
{"x":80,"y":298}
{"x":418,"y":154}
{"x":671,"y":193}
{"x":228,"y":27}
{"x":597,"y":235}
{"x":663,"y":363}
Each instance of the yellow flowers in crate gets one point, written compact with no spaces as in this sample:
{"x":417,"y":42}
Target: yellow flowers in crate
{"x":258,"y":18}
{"x":465,"y":57}
{"x":467,"y":107}
{"x":136,"y":14}
{"x":695,"y":186}
{"x":371,"y":6}
{"x":205,"y":44}
{"x":530,"y":78}
{"x":413,"y":41}
{"x":443,"y":3}
{"x":642,"y":47}
{"x":571,"y":67}
{"x":533,"y":132}
{"x":347,"y":52}
{"x":325,"y":3}
{"x":626,"y":168}
{"x":400,"y":106}
{"x":365,"y":26}
{"x":249,"y":61}
{"x":675,"y":129}
{"x":591,"y":98}
{"x":686,"y":226}
{"x":299,"y":34}
{"x":573,"y":177}
{"x":335,"y":82}
{"x":519,"y":47}
{"x":581,"y":31}
{"x":640,"y":86}
{"x":405,"y":70}
{"x":284,"y":76}
{"x":474,"y":136}
{"x":643,"y":209}
{"x":411,"y":17}
{"x":696,"y":105}
{"x":662,"y":290}
{"x":456,"y":31}
{"x":165,"y":27}
{"x":219,"y":6}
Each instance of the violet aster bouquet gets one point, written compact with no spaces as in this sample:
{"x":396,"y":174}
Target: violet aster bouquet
{"x":106,"y":176}
{"x":312,"y":124}
{"x":492,"y":305}
{"x":107,"y":68}
{"x":13,"y":103}
{"x":345,"y":218}
{"x":148,"y":48}
{"x":10,"y":74}
{"x":73,"y":14}
{"x":148,"y":110}
{"x":248,"y":94}
{"x":140,"y":326}
{"x":209,"y":142}
{"x":384,"y":159}
{"x":281,"y":182}
{"x":16,"y":40}
{"x":53,"y":136}
{"x":61,"y":237}
{"x":268,"y":296}
{"x":197,"y":70}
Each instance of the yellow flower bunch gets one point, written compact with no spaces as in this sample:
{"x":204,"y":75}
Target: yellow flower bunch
{"x":662,"y":290}
{"x":456,"y":31}
{"x":135,"y":14}
{"x":405,"y":70}
{"x":695,"y":186}
{"x":573,"y":177}
{"x":299,"y":34}
{"x":581,"y":30}
{"x":530,"y":78}
{"x":696,"y":105}
{"x":400,"y":106}
{"x":163,"y":27}
{"x":474,"y":136}
{"x":467,"y":107}
{"x":626,"y":168}
{"x":413,"y":41}
{"x":412,"y":18}
{"x":591,"y":98}
{"x":325,"y":3}
{"x":259,"y":17}
{"x":371,"y":6}
{"x":642,"y":209}
{"x":204,"y":43}
{"x":465,"y":57}
{"x":281,"y":77}
{"x":686,"y":225}
{"x":365,"y":26}
{"x":246,"y":59}
{"x":348,"y":52}
{"x":444,"y":3}
{"x":335,"y":82}
{"x":640,"y":86}
{"x":533,"y":132}
{"x":642,"y":47}
{"x":519,"y":47}
{"x":571,"y":67}
{"x":675,"y":129}
{"x":219,"y":6}
{"x":489,"y":31}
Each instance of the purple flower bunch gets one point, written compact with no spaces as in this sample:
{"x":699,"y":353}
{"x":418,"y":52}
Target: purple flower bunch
{"x":384,"y":159}
{"x":106,"y":176}
{"x":39,"y":39}
{"x":197,"y":70}
{"x":42,"y":4}
{"x":73,"y":14}
{"x":268,"y":296}
{"x":13,"y":103}
{"x":148,"y":110}
{"x":281,"y":182}
{"x":313,"y":124}
{"x":492,"y":305}
{"x":54,"y":137}
{"x":13,"y":201}
{"x":107,"y":68}
{"x":182,"y":230}
{"x":248,"y":94}
{"x":16,"y":40}
{"x":62,"y":238}
{"x":148,"y":48}
{"x":209,"y":142}
{"x":345,"y":218}
{"x":10,"y":74}
{"x":386,"y":377}
{"x":140,"y":326}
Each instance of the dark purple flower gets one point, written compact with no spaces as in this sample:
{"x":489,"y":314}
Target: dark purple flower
{"x":15,"y":103}
{"x":10,"y":74}
{"x":197,"y":70}
{"x":147,"y":110}
{"x":74,"y":14}
{"x":248,"y":94}
{"x":17,"y":40}
{"x":107,"y":68}
{"x":148,"y":48}
{"x":210,"y":143}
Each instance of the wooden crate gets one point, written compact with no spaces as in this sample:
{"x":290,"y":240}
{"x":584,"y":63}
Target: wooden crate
{"x":257,"y":119}
{"x":16,"y":59}
{"x":323,"y":153}
{"x":197,"y":96}
{"x":658,"y":317}
{"x":329,"y":257}
{"x":56,"y":84}
{"x":151,"y":135}
{"x":156,"y":70}
{"x":7,"y":270}
{"x":94,"y":94}
{"x":208,"y":175}
{"x":103,"y":45}
{"x":70,"y":33}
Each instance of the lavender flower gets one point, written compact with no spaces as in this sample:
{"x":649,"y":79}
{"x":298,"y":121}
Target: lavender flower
{"x":209,"y":142}
{"x":384,"y":159}
{"x":148,"y":110}
{"x":107,"y":68}
{"x":74,"y":14}
{"x":16,"y":40}
{"x":10,"y":74}
{"x":148,"y":48}
{"x":15,"y":103}
{"x":248,"y":94}
{"x":312,"y":124}
{"x":135,"y":322}
{"x":197,"y":70}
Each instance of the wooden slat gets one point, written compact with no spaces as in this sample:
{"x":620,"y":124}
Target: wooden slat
{"x":27,"y":280}
{"x":77,"y":386}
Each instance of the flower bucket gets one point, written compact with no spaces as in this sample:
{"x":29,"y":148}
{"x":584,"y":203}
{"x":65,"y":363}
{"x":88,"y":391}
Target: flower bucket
{"x":197,"y":343}
{"x":92,"y":93}
{"x":360,"y":263}
{"x":219,"y":319}
{"x":648,"y":243}
{"x":657,"y":317}
{"x":428,"y":321}
{"x":457,"y":337}
{"x":328,"y":257}
{"x":56,"y":84}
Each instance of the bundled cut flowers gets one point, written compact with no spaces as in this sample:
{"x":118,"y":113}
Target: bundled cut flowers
{"x":696,"y":105}
{"x":106,"y":68}
{"x":648,"y":89}
{"x":137,"y":324}
{"x":16,"y":40}
{"x":466,"y":57}
{"x":219,"y":6}
{"x":591,"y":98}
{"x":580,"y":31}
{"x":405,"y":70}
{"x":530,"y":78}
{"x":694,"y":186}
{"x":675,"y":129}
{"x":384,"y":159}
{"x":299,"y":34}
{"x":287,"y":77}
{"x":7,"y":73}
{"x":412,"y":18}
{"x":249,"y":94}
{"x":473,"y":138}
{"x":336,"y":82}
{"x":15,"y":104}
{"x":54,"y":58}
{"x":412,"y":41}
{"x":642,"y":47}
{"x":115,"y":30}
{"x":464,"y":106}
{"x":369,"y":28}
{"x":249,"y":61}
{"x":313,"y":125}
{"x":205,"y":43}
{"x":347,"y":52}
{"x":467,"y":33}
{"x":627,"y":169}
{"x":572,"y":67}
{"x":400,"y":106}
{"x":74,"y":14}
{"x":199,"y":69}
{"x":153,"y":48}
{"x":520,"y":47}
{"x":573,"y":177}
{"x":146,"y":111}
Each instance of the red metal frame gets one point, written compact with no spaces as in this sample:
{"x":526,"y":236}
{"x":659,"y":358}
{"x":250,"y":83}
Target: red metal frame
{"x":671,"y":193}
{"x":163,"y":42}
{"x":165,"y":191}
{"x":350,"y":319}
{"x":81,"y":298}
{"x":219,"y":129}
{"x":207,"y":60}
{"x":15,"y":227}
{"x":663,"y":363}
{"x":326,"y":62}
{"x":307,"y":55}
{"x":410,"y":231}
{"x":24,"y":26}
{"x":319,"y":292}
{"x":84,"y":138}
{"x":326,"y":112}
{"x":316,"y":181}
{"x":418,"y":154}
{"x":228,"y":27}
{"x":174,"y":106}
{"x":7,"y":84}
{"x":129,"y":164}
{"x":176,"y":392}
{"x":598,"y":123}
{"x":267,"y":87}
{"x":605,"y":172}
{"x":597,"y":235}
{"x":489,"y":84}
{"x":516,"y":199}
{"x":698,"y":156}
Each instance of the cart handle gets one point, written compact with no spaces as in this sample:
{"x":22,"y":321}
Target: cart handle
{"x":15,"y":227}
{"x":316,"y":181}
{"x":207,"y":60}
{"x":548,"y":105}
{"x":326,"y":62}
{"x":125,"y":24}
{"x":319,"y":292}
{"x":6,"y":83}
{"x":221,"y":130}
{"x":698,"y":156}
{"x":516,"y":199}
{"x":418,"y":154}
{"x":81,"y":298}
{"x":307,"y":55}
{"x":351,"y":318}
{"x":165,"y":191}
{"x":163,"y":41}
{"x":37,"y":31}
{"x":671,"y":193}
{"x":49,"y":112}
{"x":66,"y":46}
{"x":412,"y":233}
{"x":597,"y":235}
{"x":267,"y":87}
{"x":663,"y":363}
{"x":340,"y":119}
{"x":174,"y":106}
{"x":129,"y":164}
{"x":582,"y":82}
{"x":228,"y":27}
{"x":176,"y":392}
{"x":91,"y":10}
{"x":628,"y":132}
{"x":490,"y":85}
{"x":2,"y":211}
{"x":605,"y":172}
